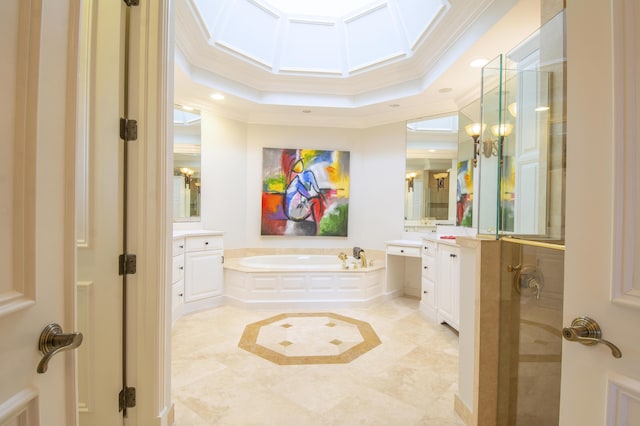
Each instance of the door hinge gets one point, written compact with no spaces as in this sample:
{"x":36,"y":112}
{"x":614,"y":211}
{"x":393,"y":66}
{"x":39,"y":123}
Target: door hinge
{"x":132,"y":2}
{"x":127,"y":398}
{"x":221,"y":259}
{"x":128,"y":129}
{"x":127,"y":264}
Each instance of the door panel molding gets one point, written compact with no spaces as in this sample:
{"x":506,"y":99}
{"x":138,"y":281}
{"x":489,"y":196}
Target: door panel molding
{"x":82,"y":123}
{"x":19,"y":291}
{"x":623,"y":399}
{"x":626,"y":236}
{"x":21,"y":408}
{"x":86,"y":306}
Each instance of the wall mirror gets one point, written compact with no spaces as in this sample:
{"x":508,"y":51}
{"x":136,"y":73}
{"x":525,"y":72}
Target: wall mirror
{"x":469,"y":128}
{"x":186,"y":165}
{"x":430,"y":180}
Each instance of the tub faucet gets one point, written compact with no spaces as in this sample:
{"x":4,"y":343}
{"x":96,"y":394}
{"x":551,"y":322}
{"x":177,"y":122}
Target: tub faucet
{"x":358,"y":254}
{"x":363,"y":259}
{"x":343,"y":256}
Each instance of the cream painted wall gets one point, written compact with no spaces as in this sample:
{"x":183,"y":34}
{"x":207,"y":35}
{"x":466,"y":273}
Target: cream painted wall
{"x":224,"y":178}
{"x":232,"y":181}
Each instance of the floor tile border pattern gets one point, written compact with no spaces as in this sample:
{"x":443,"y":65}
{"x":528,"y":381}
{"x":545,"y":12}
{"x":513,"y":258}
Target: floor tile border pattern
{"x":249,"y":339}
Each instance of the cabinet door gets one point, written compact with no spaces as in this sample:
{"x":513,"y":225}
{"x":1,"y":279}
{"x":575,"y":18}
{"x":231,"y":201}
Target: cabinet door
{"x":448,"y":286}
{"x":203,"y":275}
{"x":455,"y":288}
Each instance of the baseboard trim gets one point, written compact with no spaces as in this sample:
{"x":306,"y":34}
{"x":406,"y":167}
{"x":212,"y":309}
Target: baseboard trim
{"x":462,"y":410}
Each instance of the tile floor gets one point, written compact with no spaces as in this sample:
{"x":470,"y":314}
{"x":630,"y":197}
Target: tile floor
{"x":309,"y":338}
{"x":409,"y":379}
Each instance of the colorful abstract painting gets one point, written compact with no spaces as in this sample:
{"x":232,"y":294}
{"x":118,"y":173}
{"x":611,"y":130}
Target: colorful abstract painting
{"x":508,"y":195}
{"x":464,"y":197}
{"x":305,"y":192}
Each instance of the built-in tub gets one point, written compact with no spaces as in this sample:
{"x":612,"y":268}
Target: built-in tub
{"x":311,"y":280}
{"x":305,"y":262}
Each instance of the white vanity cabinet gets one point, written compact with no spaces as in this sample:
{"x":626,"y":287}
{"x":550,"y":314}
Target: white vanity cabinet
{"x":177,"y":278}
{"x":448,"y":285}
{"x":403,"y":268}
{"x":428,"y":297}
{"x":440,"y":298}
{"x":197,"y":271}
{"x":203,"y":271}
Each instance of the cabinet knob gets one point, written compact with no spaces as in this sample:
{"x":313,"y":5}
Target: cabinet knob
{"x":181,"y":246}
{"x":206,"y":243}
{"x":181,"y":268}
{"x":426,"y":267}
{"x":401,"y":251}
{"x":453,"y":255}
{"x":180,"y":294}
{"x":425,"y":291}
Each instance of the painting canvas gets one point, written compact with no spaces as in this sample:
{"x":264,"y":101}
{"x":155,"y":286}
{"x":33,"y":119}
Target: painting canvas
{"x":305,"y":192}
{"x":464,"y":200}
{"x":508,"y":195}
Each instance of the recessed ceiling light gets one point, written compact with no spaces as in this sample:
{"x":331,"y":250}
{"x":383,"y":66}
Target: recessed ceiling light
{"x":445,"y":90}
{"x":432,"y":150}
{"x":187,"y":108}
{"x":479,"y":63}
{"x":217,"y":96}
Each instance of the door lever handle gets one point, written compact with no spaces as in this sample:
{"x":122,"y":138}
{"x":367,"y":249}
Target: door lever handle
{"x":587,"y":331}
{"x":52,"y":341}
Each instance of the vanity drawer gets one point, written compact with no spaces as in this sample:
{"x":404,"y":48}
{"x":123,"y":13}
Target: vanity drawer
{"x":206,"y":242}
{"x":177,"y":270}
{"x":428,"y":267}
{"x":428,"y":293}
{"x":178,"y":246}
{"x":429,"y":248}
{"x":404,"y":251}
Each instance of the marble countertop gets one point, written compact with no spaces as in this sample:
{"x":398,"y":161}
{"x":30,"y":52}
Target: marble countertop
{"x":437,"y":238}
{"x":195,"y":233}
{"x":406,"y":243}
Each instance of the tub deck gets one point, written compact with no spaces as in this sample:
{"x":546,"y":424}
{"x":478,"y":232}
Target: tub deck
{"x":281,"y":285}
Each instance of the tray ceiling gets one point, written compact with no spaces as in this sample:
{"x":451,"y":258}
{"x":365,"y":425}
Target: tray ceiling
{"x":348,"y":55}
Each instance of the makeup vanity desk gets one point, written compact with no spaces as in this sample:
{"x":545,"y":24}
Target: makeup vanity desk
{"x":404,"y":260}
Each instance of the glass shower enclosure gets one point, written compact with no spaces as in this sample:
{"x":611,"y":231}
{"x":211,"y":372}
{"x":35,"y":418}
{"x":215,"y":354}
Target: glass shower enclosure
{"x":521,"y":197}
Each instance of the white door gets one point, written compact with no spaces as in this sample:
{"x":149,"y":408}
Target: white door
{"x":99,"y":213}
{"x":602,"y":264}
{"x":37,"y":244}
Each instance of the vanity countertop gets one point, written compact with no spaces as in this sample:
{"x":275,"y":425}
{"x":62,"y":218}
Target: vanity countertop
{"x":406,"y":243}
{"x":195,"y":233}
{"x":438,"y":238}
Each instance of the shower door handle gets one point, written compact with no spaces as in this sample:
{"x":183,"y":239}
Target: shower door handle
{"x":587,"y":331}
{"x":52,"y":341}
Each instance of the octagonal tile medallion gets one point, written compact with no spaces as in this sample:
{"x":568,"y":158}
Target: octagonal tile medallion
{"x":309,"y":338}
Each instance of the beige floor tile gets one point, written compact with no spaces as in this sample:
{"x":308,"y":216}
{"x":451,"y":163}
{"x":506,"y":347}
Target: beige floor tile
{"x":409,"y":379}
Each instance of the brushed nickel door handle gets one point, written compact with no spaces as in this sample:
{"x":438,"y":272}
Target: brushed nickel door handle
{"x":52,"y":341}
{"x":587,"y":331}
